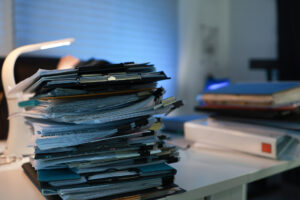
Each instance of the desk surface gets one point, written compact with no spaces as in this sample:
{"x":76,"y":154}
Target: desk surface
{"x":201,"y":172}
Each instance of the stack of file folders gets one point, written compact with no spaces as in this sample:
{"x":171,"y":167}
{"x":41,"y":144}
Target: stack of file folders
{"x":94,"y":132}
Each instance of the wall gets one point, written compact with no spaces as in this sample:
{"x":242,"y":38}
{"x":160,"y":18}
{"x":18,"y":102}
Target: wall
{"x":253,"y":35}
{"x":219,"y":37}
{"x":6,"y":27}
{"x":203,"y":46}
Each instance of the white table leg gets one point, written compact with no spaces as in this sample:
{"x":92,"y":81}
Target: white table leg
{"x":236,"y":193}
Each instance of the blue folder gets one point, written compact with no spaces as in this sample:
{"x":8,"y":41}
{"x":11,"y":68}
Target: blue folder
{"x":263,"y":88}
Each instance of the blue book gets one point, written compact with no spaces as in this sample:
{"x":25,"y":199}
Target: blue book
{"x":262,"y":88}
{"x":175,"y":124}
{"x":262,"y":94}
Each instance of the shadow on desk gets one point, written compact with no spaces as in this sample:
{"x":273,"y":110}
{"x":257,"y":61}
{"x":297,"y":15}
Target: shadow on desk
{"x":284,"y":186}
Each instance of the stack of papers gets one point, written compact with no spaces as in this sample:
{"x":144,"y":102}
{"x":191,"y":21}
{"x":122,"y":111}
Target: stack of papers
{"x":94,"y":131}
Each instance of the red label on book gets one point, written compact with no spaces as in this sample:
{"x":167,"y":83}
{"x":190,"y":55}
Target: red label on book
{"x":265,"y":147}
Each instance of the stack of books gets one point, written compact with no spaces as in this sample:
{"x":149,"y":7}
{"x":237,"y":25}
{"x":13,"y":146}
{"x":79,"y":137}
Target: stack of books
{"x":94,"y":133}
{"x":256,"y":118}
{"x":263,"y":100}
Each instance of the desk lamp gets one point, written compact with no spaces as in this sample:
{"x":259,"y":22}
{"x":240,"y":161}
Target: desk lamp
{"x":19,"y":135}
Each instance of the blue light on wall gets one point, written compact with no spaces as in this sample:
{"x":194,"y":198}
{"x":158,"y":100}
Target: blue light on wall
{"x":212,"y":84}
{"x":215,"y":86}
{"x":114,"y":30}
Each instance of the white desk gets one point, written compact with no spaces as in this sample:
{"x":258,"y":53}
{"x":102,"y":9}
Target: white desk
{"x":204,"y":173}
{"x":14,"y":184}
{"x":222,"y":174}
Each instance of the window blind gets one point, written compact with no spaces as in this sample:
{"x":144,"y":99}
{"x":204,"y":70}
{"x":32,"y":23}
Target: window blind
{"x":114,"y":30}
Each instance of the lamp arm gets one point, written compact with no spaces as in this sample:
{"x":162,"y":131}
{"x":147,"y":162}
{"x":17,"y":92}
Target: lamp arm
{"x":19,"y":135}
{"x":8,"y":78}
